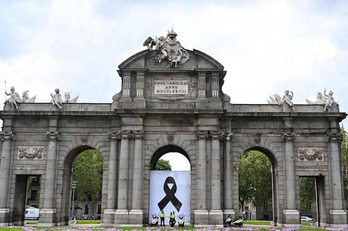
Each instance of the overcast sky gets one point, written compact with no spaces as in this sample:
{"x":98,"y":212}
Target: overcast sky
{"x":265,"y":46}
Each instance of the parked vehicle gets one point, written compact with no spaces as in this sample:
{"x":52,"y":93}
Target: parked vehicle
{"x":181,"y":220}
{"x":306,"y":219}
{"x":154,"y":221}
{"x":31,"y":213}
{"x":235,"y":223}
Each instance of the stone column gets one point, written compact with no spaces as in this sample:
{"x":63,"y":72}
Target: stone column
{"x":215,"y":85}
{"x":6,"y":137}
{"x":338,"y":215}
{"x":228,"y":207}
{"x":215,"y":212}
{"x":136,"y":214}
{"x":121,"y":214}
{"x":112,"y":186}
{"x":139,"y":98}
{"x":126,"y":84}
{"x":201,"y":213}
{"x":291,"y":215}
{"x":201,"y":85}
{"x":48,"y":212}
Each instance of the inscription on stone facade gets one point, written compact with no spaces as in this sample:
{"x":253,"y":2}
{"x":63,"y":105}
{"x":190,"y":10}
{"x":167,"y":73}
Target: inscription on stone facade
{"x":171,"y":87}
{"x":311,"y":154}
{"x":30,"y":152}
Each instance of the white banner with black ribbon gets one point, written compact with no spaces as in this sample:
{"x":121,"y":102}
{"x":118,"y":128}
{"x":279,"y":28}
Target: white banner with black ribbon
{"x":170,"y":191}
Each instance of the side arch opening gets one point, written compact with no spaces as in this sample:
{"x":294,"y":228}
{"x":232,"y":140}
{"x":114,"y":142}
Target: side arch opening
{"x":82,"y":184}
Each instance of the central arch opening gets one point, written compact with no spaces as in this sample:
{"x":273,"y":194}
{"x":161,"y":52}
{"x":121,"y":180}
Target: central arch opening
{"x":258,"y":185}
{"x":170,"y":185}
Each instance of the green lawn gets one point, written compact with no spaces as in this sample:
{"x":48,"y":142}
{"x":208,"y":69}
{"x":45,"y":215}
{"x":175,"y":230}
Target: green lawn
{"x":256,"y":222}
{"x":88,"y":222}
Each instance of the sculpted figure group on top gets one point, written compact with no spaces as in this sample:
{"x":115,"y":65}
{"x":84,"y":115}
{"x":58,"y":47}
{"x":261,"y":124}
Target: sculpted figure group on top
{"x":15,"y":99}
{"x":323,"y":99}
{"x":56,"y":98}
{"x":169,"y":48}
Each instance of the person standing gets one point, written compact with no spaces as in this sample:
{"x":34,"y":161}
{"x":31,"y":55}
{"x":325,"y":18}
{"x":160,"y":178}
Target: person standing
{"x":162,"y":217}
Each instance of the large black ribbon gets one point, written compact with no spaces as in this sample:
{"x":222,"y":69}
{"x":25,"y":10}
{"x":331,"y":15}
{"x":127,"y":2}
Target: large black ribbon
{"x":170,"y":195}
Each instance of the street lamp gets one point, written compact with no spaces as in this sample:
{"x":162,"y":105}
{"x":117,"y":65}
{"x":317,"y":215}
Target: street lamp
{"x":73,"y":185}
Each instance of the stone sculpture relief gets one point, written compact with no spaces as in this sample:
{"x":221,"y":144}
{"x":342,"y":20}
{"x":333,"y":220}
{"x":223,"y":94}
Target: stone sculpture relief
{"x":28,"y":152}
{"x":67,"y":98}
{"x":14,"y":99}
{"x":324,"y":99}
{"x":56,"y":98}
{"x":311,"y":154}
{"x":26,"y":99}
{"x":169,"y":48}
{"x":287,"y":99}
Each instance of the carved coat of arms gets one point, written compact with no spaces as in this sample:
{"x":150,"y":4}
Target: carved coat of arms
{"x":169,"y":48}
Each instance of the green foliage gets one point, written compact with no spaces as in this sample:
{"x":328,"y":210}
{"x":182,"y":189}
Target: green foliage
{"x":255,"y":179}
{"x":307,"y":193}
{"x":163,"y":165}
{"x":257,"y":222}
{"x":344,"y":150}
{"x":88,"y":172}
{"x":88,"y":222}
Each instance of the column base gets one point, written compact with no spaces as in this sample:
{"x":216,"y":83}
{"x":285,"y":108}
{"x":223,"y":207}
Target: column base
{"x":121,"y":217}
{"x":47,"y":217}
{"x":4,"y":217}
{"x":108,"y":217}
{"x":135,"y":217}
{"x":338,"y":218}
{"x":216,"y":218}
{"x":201,"y":218}
{"x":291,"y":217}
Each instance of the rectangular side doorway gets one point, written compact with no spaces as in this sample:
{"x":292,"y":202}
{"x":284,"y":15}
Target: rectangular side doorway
{"x":26,"y":197}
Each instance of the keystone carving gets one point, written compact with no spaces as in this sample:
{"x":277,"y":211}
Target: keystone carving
{"x":170,"y":138}
{"x":30,"y":152}
{"x":311,"y":154}
{"x":84,"y":139}
{"x":6,"y":136}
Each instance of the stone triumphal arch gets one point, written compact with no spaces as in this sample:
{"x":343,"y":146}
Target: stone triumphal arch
{"x":171,"y":100}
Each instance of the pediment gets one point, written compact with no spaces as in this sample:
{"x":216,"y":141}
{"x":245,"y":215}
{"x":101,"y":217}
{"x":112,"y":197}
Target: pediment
{"x":146,"y":59}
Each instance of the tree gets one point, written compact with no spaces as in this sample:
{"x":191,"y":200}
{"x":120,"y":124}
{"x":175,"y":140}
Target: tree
{"x":88,"y":172}
{"x":255,"y":179}
{"x":344,"y":152}
{"x":163,"y":165}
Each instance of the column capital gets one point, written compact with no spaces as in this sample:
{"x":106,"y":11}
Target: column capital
{"x":138,"y":134}
{"x":202,"y":134}
{"x":215,"y":135}
{"x":125,"y":134}
{"x":115,"y":135}
{"x":334,"y":137}
{"x":6,"y":135}
{"x":52,"y":135}
{"x":288,"y":136}
{"x":227,"y":136}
